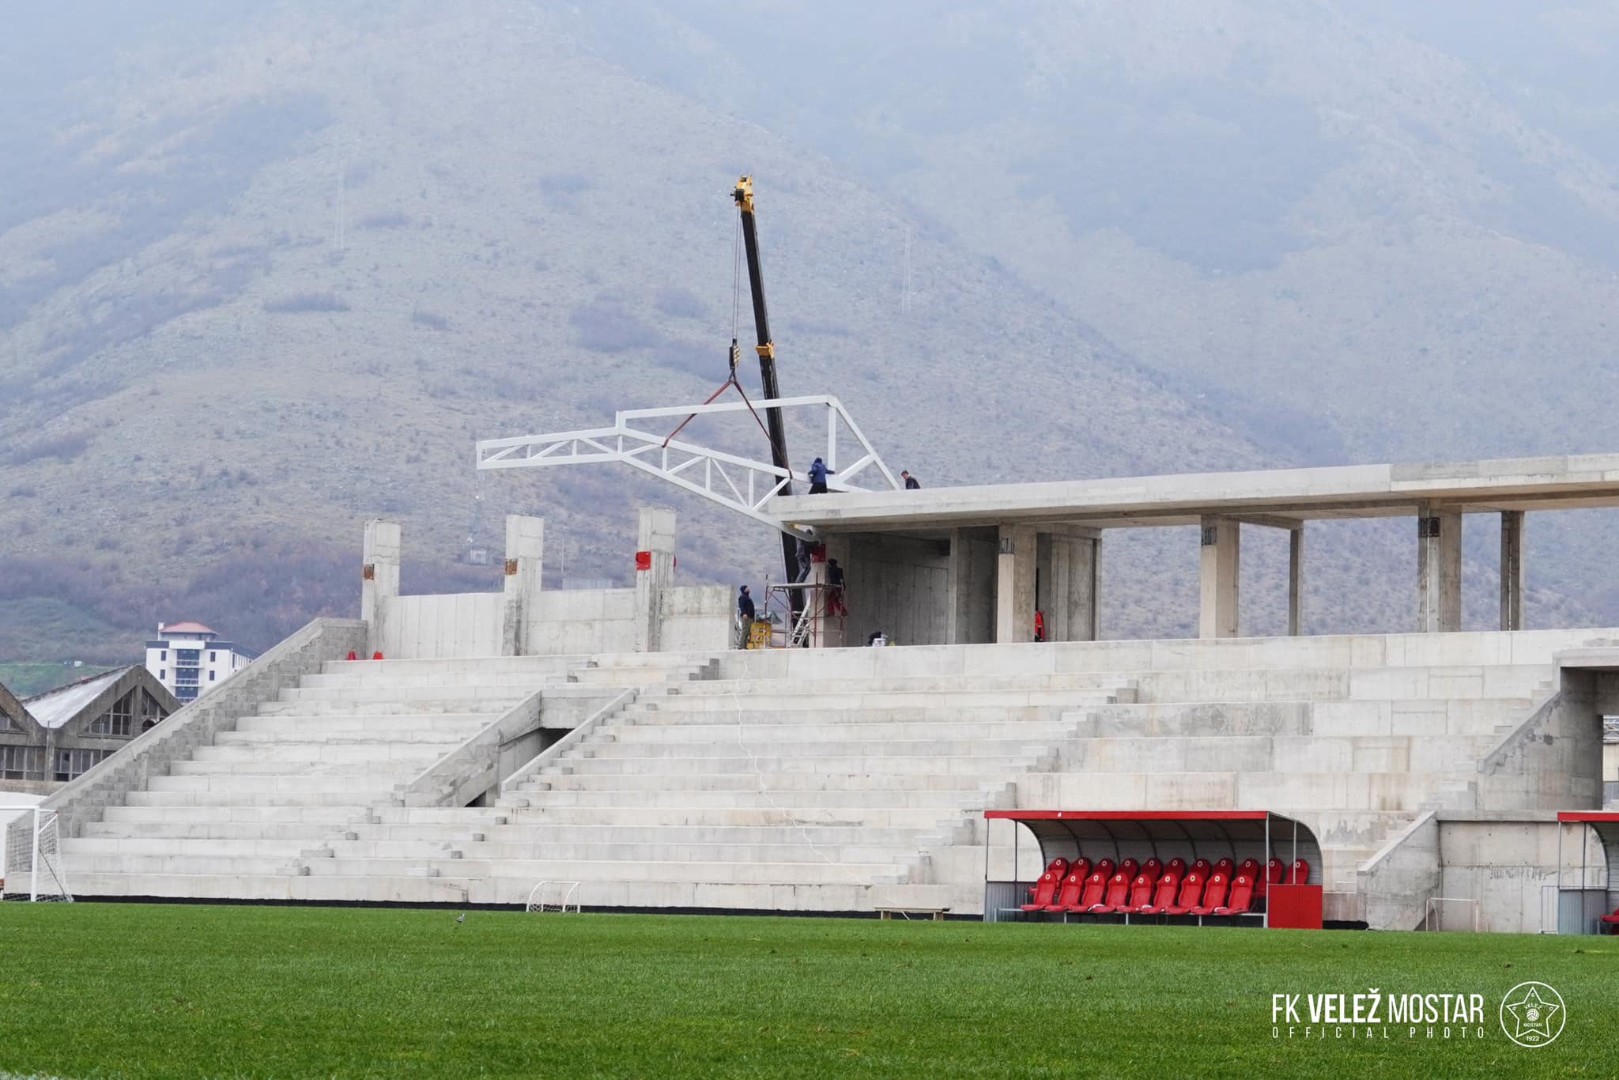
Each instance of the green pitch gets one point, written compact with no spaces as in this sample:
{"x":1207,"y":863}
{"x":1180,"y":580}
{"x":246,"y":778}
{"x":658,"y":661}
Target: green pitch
{"x":92,"y":990}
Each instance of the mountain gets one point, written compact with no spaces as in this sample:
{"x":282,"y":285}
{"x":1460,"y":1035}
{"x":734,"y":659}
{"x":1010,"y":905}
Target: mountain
{"x":266,"y":272}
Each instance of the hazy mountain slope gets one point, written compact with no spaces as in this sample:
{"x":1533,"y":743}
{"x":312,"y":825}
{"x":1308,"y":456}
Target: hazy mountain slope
{"x":280,"y":288}
{"x":1353,"y":232}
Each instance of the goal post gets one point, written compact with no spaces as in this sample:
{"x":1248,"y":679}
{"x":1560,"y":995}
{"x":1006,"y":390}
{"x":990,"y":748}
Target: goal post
{"x":33,"y":867}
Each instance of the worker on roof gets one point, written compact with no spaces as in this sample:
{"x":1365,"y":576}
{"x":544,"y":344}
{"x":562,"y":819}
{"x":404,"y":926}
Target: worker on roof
{"x":817,"y":477}
{"x":911,"y":483}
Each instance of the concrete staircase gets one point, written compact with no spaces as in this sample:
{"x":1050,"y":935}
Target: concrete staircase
{"x":255,"y":814}
{"x":796,"y":795}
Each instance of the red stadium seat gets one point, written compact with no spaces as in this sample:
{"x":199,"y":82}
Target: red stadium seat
{"x":1228,"y":867}
{"x":1118,"y":891}
{"x":1104,"y":867}
{"x":1214,"y":895}
{"x":1046,"y":888}
{"x":1095,"y":889}
{"x":1072,"y":886}
{"x":1249,"y":867}
{"x":1274,"y":870}
{"x":1190,"y":895}
{"x":1140,"y":894}
{"x":1178,"y":865}
{"x":1153,"y":869}
{"x":1163,"y":896}
{"x":1129,"y":868}
{"x":1610,"y":921}
{"x":1301,"y":873}
{"x":1202,"y":868}
{"x":1241,"y":899}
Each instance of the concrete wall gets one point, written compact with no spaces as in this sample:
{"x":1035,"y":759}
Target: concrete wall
{"x":582,"y":621}
{"x":899,"y":586}
{"x":1506,"y":865}
{"x":1553,"y":760}
{"x":447,"y":625}
{"x":695,"y":618}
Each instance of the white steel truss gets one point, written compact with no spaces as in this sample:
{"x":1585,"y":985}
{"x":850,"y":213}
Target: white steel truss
{"x":740,"y":483}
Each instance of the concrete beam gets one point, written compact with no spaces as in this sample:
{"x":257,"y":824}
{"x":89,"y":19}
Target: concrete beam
{"x":1014,"y":584}
{"x":525,"y":549}
{"x":1513,"y":575}
{"x":1219,"y":571}
{"x":1439,"y":569}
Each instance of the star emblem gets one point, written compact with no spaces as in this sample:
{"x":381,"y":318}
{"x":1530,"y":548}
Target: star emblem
{"x":1536,"y":1012}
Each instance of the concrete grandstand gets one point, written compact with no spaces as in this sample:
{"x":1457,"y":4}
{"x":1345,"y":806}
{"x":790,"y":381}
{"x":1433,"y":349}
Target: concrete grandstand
{"x":613,"y":737}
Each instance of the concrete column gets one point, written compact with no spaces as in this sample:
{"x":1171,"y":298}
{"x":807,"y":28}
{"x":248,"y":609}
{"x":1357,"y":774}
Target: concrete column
{"x":525,"y":546}
{"x":379,"y":581}
{"x":654,"y":572}
{"x":970,"y":587}
{"x":1218,"y":575}
{"x":1513,"y":577}
{"x":1014,"y":584}
{"x":1068,"y":587}
{"x":1295,"y":581}
{"x":1439,"y":569}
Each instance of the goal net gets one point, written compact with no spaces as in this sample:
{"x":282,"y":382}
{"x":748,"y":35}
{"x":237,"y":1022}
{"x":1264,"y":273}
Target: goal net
{"x":33,"y":856}
{"x":554,"y":896}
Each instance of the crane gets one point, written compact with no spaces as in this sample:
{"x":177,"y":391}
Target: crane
{"x":775,"y":429}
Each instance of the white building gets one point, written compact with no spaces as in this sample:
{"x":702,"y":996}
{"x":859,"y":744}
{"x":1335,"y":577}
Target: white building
{"x":188,"y":661}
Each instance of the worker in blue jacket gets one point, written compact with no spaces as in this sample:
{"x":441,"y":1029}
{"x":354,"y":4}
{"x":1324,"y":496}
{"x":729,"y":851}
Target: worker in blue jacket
{"x":817,"y":477}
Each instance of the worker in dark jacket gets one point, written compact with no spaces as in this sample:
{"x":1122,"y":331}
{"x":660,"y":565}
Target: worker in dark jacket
{"x":911,"y":483}
{"x":817,"y":477}
{"x":745,"y":616}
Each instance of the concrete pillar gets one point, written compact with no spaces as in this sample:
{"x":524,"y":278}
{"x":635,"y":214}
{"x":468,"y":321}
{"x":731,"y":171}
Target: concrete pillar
{"x":1067,"y":594}
{"x":654,"y":572}
{"x":379,"y":581}
{"x":525,"y":546}
{"x":1513,"y":577}
{"x":1218,"y":575}
{"x":1439,"y":569}
{"x":1295,"y":581}
{"x":1014,"y":584}
{"x":970,"y":587}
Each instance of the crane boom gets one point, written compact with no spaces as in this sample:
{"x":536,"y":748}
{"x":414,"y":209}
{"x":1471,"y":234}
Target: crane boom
{"x":766,"y":348}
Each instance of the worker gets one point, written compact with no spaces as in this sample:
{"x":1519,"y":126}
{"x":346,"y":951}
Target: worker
{"x":746,"y":614}
{"x":877,"y":639}
{"x":834,"y":593}
{"x":806,"y":556}
{"x":911,"y":483}
{"x":1039,"y":626}
{"x":817,"y":477}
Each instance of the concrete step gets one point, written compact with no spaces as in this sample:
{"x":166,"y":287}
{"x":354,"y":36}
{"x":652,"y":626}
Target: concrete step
{"x":811,"y":872}
{"x":349,"y":754}
{"x":357,"y":797}
{"x":854,"y":801}
{"x":444,"y":698}
{"x":388,"y":724}
{"x":647,"y":662}
{"x":730,"y":813}
{"x":661,"y":727}
{"x":282,"y":887}
{"x":876,"y":765}
{"x":796,"y":700}
{"x":952,"y":684}
{"x":768,"y":780}
{"x":381,"y":776}
{"x":848,"y":853}
{"x":996,"y":743}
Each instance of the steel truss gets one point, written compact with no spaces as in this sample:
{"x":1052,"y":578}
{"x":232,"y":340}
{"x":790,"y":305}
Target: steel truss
{"x":739,"y":483}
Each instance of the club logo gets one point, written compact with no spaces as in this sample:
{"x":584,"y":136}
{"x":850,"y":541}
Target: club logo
{"x":1532,"y":1014}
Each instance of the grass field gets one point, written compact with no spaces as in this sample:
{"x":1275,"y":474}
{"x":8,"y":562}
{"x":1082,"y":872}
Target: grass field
{"x":91,"y":990}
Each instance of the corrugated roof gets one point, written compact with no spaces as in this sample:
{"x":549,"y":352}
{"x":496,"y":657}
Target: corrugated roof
{"x":56,"y":707}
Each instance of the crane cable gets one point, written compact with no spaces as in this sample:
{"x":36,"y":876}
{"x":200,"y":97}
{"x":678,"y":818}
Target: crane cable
{"x":736,"y":352}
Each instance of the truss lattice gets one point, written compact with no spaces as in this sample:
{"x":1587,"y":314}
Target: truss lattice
{"x":739,"y":483}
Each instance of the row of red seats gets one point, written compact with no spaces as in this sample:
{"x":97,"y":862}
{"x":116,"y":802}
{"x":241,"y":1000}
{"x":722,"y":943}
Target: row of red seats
{"x":1221,"y":888}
